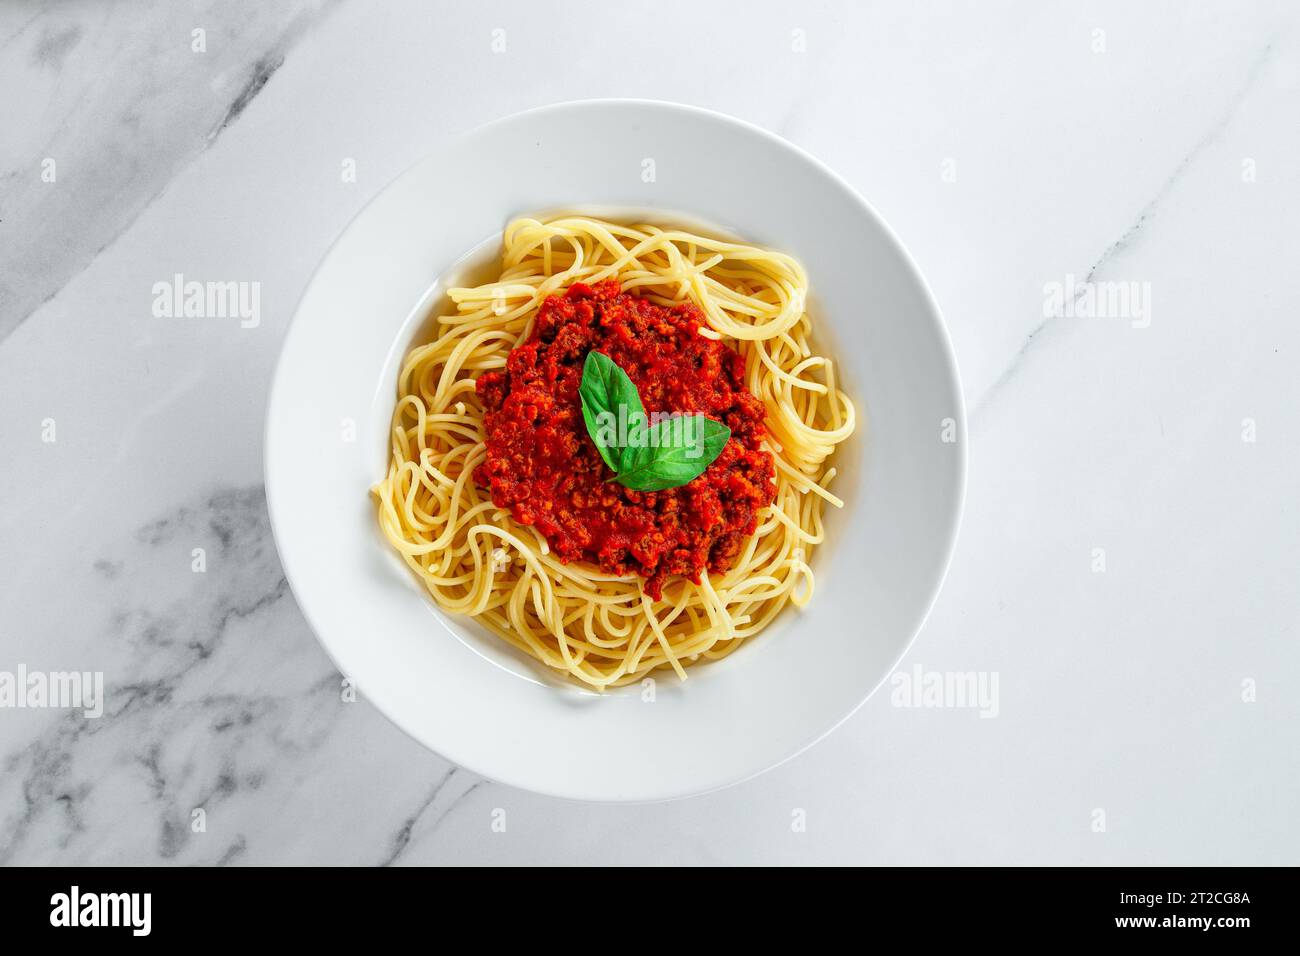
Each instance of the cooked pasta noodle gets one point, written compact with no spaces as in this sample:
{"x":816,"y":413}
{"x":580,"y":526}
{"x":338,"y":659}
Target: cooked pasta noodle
{"x":476,"y":559}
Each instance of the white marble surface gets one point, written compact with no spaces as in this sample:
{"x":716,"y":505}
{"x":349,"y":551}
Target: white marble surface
{"x":1120,"y":691}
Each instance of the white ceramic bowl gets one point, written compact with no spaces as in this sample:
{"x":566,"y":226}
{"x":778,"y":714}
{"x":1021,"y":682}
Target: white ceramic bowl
{"x":460,"y":690}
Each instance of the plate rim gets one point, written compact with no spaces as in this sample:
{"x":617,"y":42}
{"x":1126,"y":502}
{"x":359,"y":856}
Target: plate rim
{"x":954,"y":519}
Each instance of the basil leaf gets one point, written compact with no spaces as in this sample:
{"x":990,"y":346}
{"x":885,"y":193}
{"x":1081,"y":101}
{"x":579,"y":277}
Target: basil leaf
{"x":636,"y":434}
{"x":606,"y":389}
{"x":609,"y":451}
{"x":672,"y":453}
{"x":644,"y":457}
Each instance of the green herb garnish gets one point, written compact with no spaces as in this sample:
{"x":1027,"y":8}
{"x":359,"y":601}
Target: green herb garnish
{"x":644,"y":455}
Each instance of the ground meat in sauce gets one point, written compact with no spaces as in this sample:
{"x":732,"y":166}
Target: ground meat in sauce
{"x":542,"y":465}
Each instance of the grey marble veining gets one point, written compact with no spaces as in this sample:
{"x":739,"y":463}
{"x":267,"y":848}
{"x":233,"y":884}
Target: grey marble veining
{"x":1148,"y":211}
{"x":118,"y":102}
{"x":163,"y":709}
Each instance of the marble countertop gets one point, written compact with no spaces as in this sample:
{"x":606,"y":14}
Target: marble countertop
{"x":1127,"y":564}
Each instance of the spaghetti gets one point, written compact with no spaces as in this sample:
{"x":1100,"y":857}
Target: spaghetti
{"x":475,"y":559}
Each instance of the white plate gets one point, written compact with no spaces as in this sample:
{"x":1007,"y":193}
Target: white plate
{"x":458,"y":689}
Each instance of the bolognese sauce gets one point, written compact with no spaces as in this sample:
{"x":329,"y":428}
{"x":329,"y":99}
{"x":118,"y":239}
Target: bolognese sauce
{"x":543,"y":467}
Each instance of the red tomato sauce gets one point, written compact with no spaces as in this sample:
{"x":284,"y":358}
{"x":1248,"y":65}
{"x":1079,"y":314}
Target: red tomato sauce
{"x":543,"y":466}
